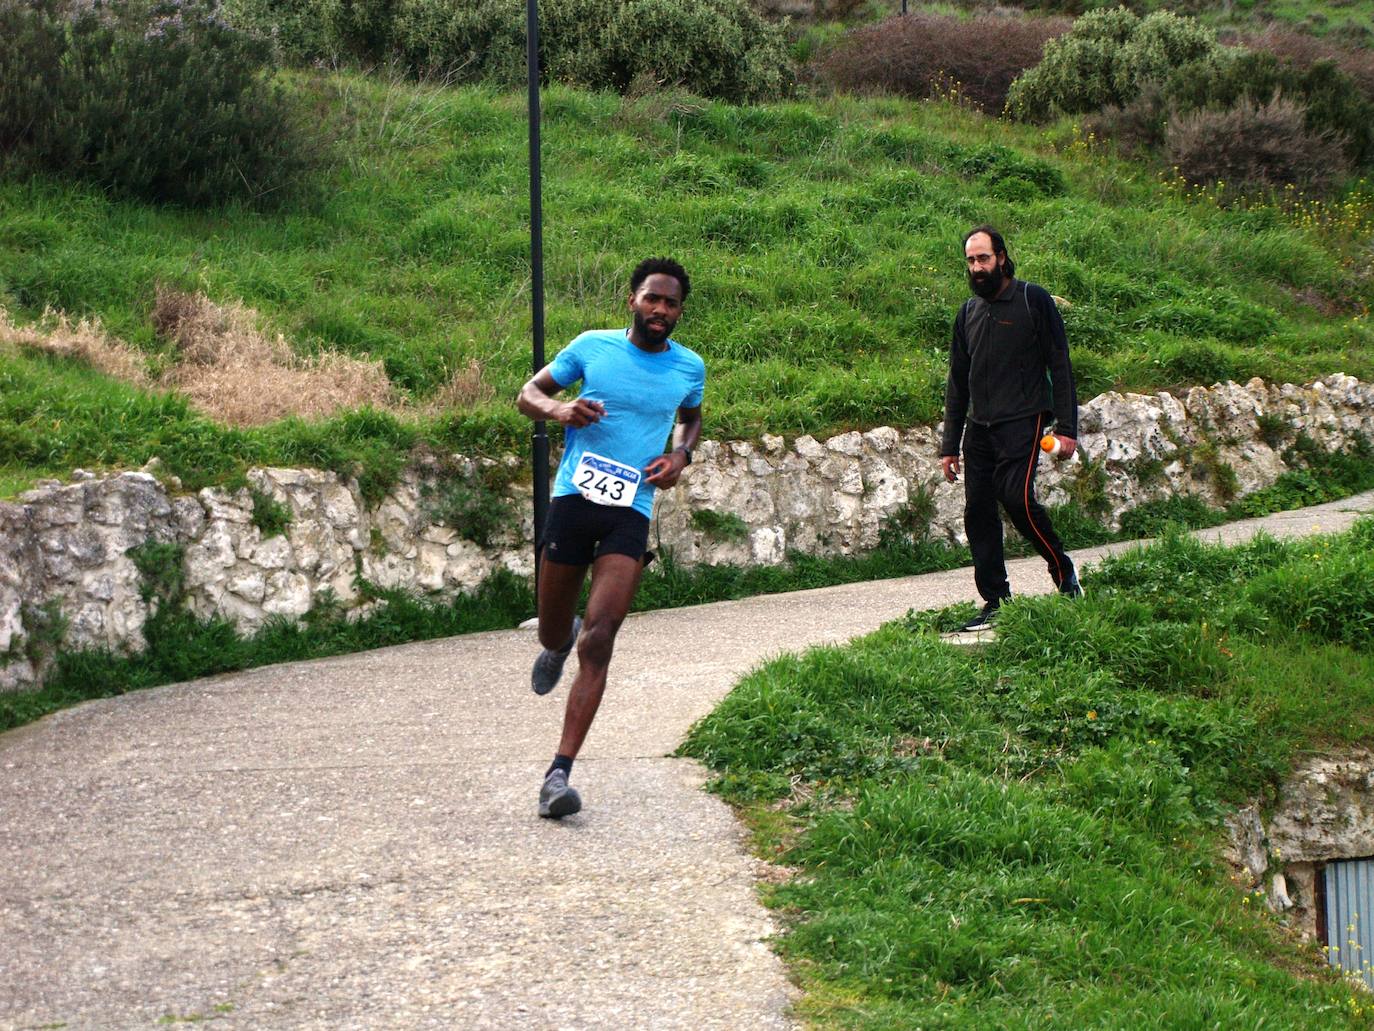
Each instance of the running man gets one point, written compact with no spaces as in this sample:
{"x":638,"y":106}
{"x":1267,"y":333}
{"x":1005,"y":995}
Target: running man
{"x":1009,"y":377}
{"x":636,"y":383}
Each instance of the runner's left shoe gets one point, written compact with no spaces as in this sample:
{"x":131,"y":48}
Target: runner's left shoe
{"x":556,"y":798}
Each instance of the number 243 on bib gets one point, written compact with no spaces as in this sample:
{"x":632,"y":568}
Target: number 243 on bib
{"x":605,"y":481}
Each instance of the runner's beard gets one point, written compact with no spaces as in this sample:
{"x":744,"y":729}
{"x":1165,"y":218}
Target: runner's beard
{"x":649,"y":335}
{"x":987,"y":284}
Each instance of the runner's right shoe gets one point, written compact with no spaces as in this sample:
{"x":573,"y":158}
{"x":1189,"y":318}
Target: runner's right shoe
{"x":556,"y":798}
{"x":548,"y":667}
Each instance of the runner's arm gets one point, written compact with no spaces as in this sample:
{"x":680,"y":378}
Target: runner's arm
{"x":664,"y":470}
{"x":536,"y":401}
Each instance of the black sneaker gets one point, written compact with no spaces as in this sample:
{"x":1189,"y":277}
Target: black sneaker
{"x":1071,"y":588}
{"x":984,"y":620}
{"x":548,"y":667}
{"x":556,"y":798}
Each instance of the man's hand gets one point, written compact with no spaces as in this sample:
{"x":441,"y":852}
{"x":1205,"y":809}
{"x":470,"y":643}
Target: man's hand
{"x":664,"y":470}
{"x":581,"y":413}
{"x":1067,"y":446}
{"x":950,"y":464}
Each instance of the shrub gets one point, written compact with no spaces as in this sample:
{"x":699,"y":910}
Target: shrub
{"x":1303,"y":50}
{"x":472,"y":501}
{"x":1107,"y":58}
{"x":1137,"y":126}
{"x":1330,"y":101}
{"x":725,"y":526}
{"x":924,"y":55}
{"x":997,"y":166}
{"x":1254,"y":145}
{"x":1151,"y":518}
{"x":715,"y":48}
{"x":156,"y":98}
{"x":270,"y":516}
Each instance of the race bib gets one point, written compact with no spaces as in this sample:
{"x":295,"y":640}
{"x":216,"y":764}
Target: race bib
{"x":604,"y":481}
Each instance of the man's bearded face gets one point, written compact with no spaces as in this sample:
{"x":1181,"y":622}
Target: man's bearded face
{"x":986,"y":284}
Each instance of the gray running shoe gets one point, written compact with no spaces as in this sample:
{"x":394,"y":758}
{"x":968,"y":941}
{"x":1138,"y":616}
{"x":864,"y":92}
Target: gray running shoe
{"x":548,"y":667}
{"x":556,"y":798}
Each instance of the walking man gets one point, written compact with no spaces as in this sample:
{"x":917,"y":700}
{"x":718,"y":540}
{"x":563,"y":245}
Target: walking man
{"x":636,"y":383}
{"x":1009,"y":378}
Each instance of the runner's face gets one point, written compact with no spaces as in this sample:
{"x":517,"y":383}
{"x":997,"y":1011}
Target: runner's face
{"x":656,"y":306}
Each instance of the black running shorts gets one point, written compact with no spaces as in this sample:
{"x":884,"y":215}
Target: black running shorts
{"x":578,"y":531}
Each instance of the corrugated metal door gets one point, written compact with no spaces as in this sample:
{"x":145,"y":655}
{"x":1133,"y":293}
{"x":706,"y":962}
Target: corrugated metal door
{"x":1350,"y":915}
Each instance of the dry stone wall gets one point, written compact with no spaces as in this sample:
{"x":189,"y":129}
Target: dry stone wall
{"x":65,"y":548}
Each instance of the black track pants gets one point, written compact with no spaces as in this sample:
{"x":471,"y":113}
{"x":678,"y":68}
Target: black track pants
{"x":999,"y":468}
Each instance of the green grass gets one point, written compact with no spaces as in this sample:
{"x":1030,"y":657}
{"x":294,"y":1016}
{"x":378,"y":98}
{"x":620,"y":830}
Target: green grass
{"x":1349,"y":21}
{"x":823,"y":238}
{"x":1026,"y":836}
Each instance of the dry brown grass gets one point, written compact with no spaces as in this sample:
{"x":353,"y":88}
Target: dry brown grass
{"x":84,"y":341}
{"x":466,"y":388}
{"x":236,"y":374}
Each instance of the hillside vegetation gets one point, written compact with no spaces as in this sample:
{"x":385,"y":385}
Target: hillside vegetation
{"x":823,"y":238}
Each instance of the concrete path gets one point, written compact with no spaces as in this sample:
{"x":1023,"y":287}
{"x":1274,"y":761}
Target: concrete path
{"x":352,"y":842}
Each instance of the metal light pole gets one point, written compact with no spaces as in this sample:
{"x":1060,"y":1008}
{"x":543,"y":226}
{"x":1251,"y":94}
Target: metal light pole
{"x":541,"y":437}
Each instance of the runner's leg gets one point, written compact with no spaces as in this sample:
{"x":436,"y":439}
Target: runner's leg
{"x":615,"y":578}
{"x":559,"y":586}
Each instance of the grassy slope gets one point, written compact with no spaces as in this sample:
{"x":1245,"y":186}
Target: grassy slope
{"x":823,"y":238}
{"x":1350,"y":22}
{"x":1024,"y":837}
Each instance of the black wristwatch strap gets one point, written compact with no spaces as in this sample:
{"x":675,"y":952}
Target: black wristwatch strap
{"x":686,"y":451}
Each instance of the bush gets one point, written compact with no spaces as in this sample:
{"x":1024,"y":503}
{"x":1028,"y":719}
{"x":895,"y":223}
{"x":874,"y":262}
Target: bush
{"x":1331,"y":102}
{"x":1107,"y":58}
{"x":1135,"y":127}
{"x":156,"y":98}
{"x":924,"y":55}
{"x":472,"y":501}
{"x":998,"y":166}
{"x":1303,"y":50}
{"x":1254,"y":146}
{"x":715,"y":48}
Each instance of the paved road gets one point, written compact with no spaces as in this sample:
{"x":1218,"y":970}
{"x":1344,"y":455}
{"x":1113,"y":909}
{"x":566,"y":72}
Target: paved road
{"x":351,"y":842}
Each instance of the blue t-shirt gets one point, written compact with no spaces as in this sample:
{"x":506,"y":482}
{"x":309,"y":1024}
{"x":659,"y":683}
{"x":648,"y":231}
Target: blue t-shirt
{"x":641,"y":391}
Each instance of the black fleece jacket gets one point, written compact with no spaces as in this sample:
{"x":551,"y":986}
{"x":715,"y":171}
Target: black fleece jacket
{"x":1009,"y":358}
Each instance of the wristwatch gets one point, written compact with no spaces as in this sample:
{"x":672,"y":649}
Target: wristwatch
{"x":686,"y":451}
